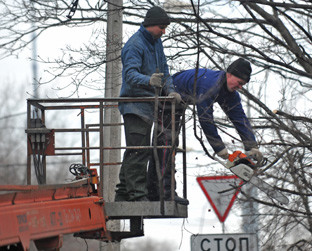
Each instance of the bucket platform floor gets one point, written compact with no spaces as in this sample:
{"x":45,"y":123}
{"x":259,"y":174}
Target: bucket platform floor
{"x":145,"y":209}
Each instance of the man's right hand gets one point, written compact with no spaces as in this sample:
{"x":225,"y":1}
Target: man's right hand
{"x":223,"y":154}
{"x":255,"y":154}
{"x":156,"y":79}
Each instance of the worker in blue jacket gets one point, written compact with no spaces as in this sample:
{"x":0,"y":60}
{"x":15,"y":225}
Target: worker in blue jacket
{"x":211,"y":86}
{"x":144,"y":70}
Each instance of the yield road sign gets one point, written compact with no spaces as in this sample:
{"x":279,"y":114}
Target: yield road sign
{"x":220,"y":192}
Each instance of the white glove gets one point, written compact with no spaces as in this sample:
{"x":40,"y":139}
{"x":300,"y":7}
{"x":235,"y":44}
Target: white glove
{"x":223,"y":154}
{"x":255,"y":154}
{"x":176,"y":96}
{"x":156,"y":79}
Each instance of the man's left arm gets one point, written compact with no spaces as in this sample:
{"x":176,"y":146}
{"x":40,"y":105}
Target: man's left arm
{"x":244,"y":129}
{"x":236,"y":114}
{"x":234,"y":110}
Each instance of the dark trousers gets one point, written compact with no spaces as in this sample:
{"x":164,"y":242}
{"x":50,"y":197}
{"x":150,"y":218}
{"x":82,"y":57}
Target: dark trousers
{"x":164,"y":138}
{"x":132,"y":174}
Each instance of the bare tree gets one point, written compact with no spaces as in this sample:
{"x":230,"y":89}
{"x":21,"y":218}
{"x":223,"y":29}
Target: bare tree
{"x":274,"y":36}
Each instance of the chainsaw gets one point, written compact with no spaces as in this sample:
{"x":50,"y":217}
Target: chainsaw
{"x":245,"y":169}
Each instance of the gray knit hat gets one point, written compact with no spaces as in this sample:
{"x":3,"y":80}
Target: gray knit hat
{"x":240,"y":68}
{"x":156,"y":16}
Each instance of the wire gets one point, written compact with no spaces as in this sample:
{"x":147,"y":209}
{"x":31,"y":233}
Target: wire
{"x":25,"y":164}
{"x":87,"y":246}
{"x":12,"y":115}
{"x":79,"y":170}
{"x":38,"y":166}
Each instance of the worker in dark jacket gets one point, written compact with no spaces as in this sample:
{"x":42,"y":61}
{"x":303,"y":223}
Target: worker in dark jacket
{"x":144,"y":70}
{"x":211,"y":86}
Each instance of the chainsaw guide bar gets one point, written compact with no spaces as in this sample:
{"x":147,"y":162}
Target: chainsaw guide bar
{"x":243,"y":167}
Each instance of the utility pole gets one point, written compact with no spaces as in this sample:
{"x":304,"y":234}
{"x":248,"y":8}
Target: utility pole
{"x":112,"y":134}
{"x":34,"y":65}
{"x":250,"y":207}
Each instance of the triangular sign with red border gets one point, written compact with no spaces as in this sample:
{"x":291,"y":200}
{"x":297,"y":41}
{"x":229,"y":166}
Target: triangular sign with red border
{"x":221,"y":192}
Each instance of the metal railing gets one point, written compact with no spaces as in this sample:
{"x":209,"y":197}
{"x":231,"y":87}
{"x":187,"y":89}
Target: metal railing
{"x":42,"y":141}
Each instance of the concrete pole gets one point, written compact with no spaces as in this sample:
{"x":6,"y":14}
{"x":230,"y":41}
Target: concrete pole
{"x":112,"y":134}
{"x":34,"y":65}
{"x":34,"y":68}
{"x":250,"y":209}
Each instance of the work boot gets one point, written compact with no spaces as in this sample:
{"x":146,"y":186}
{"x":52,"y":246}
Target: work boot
{"x":121,"y":197}
{"x":153,"y":198}
{"x":178,"y":200}
{"x":143,"y":198}
{"x":121,"y":192}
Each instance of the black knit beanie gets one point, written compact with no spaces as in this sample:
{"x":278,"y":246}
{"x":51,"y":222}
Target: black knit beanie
{"x":240,"y":68}
{"x":156,"y":16}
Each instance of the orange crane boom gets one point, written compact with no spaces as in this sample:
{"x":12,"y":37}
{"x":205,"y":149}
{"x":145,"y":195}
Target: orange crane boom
{"x":45,"y":213}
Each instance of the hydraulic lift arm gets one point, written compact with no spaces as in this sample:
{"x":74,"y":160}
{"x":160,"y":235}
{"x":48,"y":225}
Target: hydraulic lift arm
{"x":45,"y":213}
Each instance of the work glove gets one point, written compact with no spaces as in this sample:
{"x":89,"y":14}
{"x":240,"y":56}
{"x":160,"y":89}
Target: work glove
{"x":255,"y":154}
{"x":156,"y":79}
{"x":223,"y":153}
{"x":177,"y":97}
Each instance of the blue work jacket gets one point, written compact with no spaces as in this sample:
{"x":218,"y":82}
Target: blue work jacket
{"x":210,"y":88}
{"x":142,"y":56}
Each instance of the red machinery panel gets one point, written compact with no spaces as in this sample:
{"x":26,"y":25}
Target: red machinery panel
{"x":45,"y":213}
